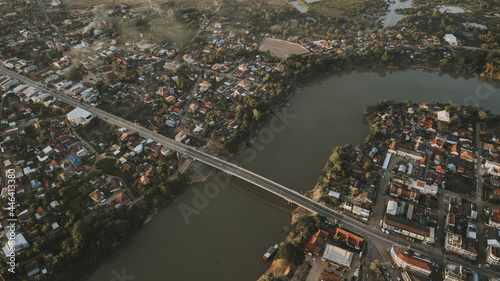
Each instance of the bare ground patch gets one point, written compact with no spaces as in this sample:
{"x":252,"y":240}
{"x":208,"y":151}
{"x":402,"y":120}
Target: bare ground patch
{"x":282,"y":49}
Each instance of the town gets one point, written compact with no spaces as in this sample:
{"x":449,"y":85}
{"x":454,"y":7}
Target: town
{"x":425,"y":180}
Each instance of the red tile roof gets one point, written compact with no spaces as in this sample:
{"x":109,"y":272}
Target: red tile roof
{"x":414,"y":261}
{"x":316,"y":242}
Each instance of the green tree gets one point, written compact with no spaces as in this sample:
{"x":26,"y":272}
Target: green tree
{"x":375,"y":267}
{"x":291,"y":254}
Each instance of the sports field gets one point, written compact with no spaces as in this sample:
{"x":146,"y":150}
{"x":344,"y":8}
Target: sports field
{"x":282,"y":49}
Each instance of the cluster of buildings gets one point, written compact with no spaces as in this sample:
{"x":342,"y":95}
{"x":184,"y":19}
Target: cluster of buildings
{"x":321,"y":245}
{"x":455,"y":272}
{"x":461,"y":235}
{"x":424,"y":148}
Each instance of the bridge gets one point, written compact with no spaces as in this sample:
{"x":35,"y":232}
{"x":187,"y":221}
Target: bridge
{"x":208,"y":159}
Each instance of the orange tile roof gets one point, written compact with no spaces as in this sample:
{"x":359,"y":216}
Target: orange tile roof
{"x":316,"y":242}
{"x":350,"y":238}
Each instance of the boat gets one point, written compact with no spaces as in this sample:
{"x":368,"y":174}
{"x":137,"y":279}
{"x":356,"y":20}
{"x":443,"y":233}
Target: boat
{"x":271,"y":252}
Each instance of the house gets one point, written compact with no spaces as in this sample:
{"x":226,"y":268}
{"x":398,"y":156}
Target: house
{"x":466,"y":155}
{"x":66,"y":176}
{"x":20,"y":244}
{"x":337,"y":256}
{"x":31,"y":268}
{"x":492,"y":168}
{"x":41,"y":212}
{"x":315,"y":243}
{"x":79,"y":116}
{"x":116,"y":184}
{"x":180,"y":136}
{"x":123,"y":199}
{"x":98,"y":196}
{"x":75,"y":160}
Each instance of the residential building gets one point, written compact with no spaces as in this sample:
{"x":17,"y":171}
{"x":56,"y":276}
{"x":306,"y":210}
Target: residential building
{"x":443,"y":116}
{"x":79,"y":116}
{"x":315,"y":243}
{"x":495,"y":219}
{"x":180,"y":136}
{"x":455,"y":244}
{"x":453,"y":272}
{"x":493,"y":255}
{"x":409,"y":262}
{"x":492,"y":168}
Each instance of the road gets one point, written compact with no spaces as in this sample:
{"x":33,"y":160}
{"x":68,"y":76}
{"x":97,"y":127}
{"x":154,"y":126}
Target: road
{"x":380,"y":240}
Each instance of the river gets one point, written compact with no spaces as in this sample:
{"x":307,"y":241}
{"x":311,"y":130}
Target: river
{"x":231,"y":230}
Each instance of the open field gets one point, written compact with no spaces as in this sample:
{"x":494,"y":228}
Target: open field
{"x":282,"y":49}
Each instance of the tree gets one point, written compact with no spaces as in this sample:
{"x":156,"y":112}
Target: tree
{"x":274,"y":278}
{"x":80,"y":232}
{"x":292,"y":254}
{"x":375,"y":267}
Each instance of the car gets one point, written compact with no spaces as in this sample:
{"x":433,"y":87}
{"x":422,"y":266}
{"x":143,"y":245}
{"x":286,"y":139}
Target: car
{"x":387,"y":274}
{"x":367,"y":275}
{"x":392,"y":266}
{"x":384,"y":268}
{"x":399,"y":279}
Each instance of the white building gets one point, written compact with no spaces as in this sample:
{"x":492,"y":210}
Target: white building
{"x":450,"y":38}
{"x":20,"y":244}
{"x":410,"y":263}
{"x":443,"y":116}
{"x":337,"y":256}
{"x":79,"y":116}
{"x":492,"y":168}
{"x":392,"y":207}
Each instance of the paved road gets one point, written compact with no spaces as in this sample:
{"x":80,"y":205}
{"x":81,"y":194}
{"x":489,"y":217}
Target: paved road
{"x":379,"y":239}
